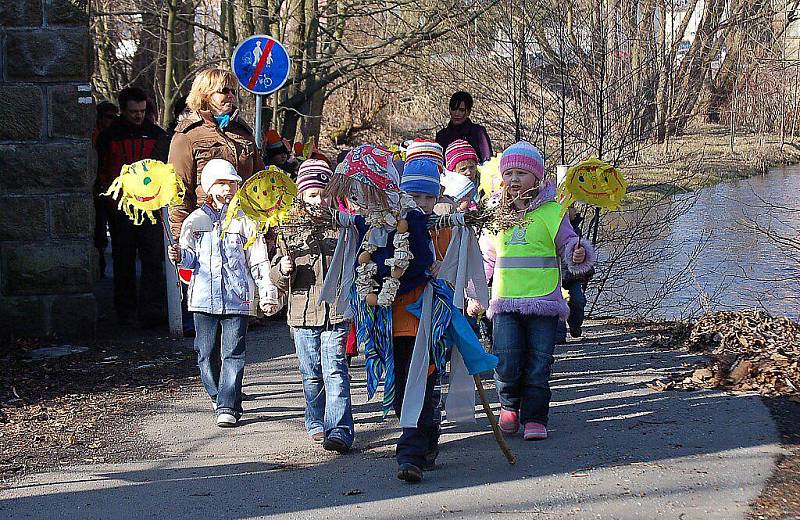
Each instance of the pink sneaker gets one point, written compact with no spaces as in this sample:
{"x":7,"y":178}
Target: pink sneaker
{"x":509,"y":421}
{"x":535,"y":431}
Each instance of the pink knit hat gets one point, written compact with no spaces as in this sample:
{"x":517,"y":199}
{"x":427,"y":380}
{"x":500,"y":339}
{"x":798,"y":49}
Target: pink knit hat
{"x":523,"y":155}
{"x":459,"y":150}
{"x":313,"y":173}
{"x":424,"y":148}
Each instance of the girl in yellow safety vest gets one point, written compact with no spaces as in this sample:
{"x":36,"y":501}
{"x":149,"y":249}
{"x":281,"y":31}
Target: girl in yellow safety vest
{"x":524,"y":263}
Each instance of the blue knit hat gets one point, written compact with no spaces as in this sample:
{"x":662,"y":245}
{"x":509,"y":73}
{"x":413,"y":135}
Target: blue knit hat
{"x":421,"y":176}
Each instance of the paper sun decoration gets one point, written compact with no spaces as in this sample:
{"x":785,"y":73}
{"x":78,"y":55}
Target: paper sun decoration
{"x":265,"y":198}
{"x":594,"y":182}
{"x":144,"y":187}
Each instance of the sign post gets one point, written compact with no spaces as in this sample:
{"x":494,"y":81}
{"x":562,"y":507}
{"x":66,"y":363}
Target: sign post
{"x":261,"y":64}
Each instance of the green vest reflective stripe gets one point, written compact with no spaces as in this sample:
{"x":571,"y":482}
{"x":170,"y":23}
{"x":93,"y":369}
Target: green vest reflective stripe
{"x":527,"y":264}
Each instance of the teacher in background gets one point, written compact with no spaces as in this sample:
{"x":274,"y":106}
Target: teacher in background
{"x":462,"y":127}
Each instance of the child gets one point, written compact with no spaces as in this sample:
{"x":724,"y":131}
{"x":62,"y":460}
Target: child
{"x":319,"y":333}
{"x":222,"y":290}
{"x":526,"y":292}
{"x":461,"y":158}
{"x":574,"y":285}
{"x":389,"y":238}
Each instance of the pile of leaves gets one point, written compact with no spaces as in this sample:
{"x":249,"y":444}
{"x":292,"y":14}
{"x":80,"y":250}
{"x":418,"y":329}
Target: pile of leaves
{"x":82,"y":407}
{"x":745,"y":351}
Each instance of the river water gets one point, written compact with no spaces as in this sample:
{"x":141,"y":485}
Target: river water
{"x":697,"y":252}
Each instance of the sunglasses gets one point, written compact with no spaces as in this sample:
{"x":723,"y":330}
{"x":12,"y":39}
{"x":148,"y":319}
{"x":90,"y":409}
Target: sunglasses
{"x":227,"y":90}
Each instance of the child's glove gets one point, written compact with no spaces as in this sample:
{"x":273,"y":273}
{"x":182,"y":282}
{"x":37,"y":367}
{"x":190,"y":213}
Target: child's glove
{"x":269,"y":308}
{"x":174,"y":252}
{"x":474,"y":308}
{"x":578,"y":255}
{"x":286,"y":265}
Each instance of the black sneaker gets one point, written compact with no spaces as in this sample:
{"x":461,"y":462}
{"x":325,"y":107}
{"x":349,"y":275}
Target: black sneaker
{"x":410,"y":473}
{"x":575,"y":332}
{"x":334,"y":444}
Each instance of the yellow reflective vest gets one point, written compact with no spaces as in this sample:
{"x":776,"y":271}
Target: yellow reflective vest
{"x":527,"y":263}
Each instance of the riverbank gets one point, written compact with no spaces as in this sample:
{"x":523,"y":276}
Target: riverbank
{"x":704,"y":157}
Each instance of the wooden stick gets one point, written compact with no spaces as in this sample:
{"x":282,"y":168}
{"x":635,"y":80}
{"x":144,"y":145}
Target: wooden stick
{"x":498,"y":436}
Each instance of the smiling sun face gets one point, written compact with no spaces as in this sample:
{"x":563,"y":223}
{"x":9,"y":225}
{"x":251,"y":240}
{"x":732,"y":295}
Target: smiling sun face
{"x":268,"y":191}
{"x":145,"y":187}
{"x":264,"y":198}
{"x":595,"y":182}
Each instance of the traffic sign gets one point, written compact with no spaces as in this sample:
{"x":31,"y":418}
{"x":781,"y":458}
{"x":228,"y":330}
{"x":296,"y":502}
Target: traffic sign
{"x":261,"y":64}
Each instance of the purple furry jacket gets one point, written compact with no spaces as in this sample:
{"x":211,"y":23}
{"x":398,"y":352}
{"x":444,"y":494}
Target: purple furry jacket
{"x":552,"y":304}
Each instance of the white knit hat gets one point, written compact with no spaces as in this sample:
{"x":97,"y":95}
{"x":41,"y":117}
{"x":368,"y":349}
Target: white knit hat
{"x":217,"y":170}
{"x":457,"y":186}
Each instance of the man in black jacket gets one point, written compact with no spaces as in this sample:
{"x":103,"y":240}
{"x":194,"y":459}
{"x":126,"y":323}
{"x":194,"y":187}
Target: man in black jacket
{"x":129,"y":139}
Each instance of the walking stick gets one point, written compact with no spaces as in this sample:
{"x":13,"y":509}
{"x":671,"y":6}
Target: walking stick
{"x":498,"y":436}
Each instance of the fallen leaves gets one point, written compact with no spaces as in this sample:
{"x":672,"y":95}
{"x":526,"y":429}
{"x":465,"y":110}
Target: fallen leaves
{"x":746,"y":351}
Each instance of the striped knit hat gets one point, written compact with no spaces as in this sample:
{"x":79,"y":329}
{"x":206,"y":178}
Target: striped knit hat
{"x":459,"y":150}
{"x":523,"y":155}
{"x":423,"y":148}
{"x":421,"y":176}
{"x":313,"y":173}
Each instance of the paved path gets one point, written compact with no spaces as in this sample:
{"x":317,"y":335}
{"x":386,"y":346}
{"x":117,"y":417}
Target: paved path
{"x":618,"y":450}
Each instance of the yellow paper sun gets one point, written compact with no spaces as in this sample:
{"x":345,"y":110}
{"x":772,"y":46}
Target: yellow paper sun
{"x":594,"y":182}
{"x":265,"y":198}
{"x":144,"y":187}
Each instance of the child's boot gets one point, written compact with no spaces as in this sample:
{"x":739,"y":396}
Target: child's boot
{"x":535,"y":431}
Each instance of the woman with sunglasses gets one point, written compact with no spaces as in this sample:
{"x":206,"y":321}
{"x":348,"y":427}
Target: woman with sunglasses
{"x":211,"y":129}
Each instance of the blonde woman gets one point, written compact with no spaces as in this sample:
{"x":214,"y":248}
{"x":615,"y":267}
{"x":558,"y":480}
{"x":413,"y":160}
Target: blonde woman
{"x":210,"y":129}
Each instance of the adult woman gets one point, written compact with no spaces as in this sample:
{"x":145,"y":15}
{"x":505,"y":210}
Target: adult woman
{"x":212,"y":129}
{"x":462,"y":127}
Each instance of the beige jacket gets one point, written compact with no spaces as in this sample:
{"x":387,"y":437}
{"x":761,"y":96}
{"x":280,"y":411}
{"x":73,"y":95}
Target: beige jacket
{"x":311,"y":260}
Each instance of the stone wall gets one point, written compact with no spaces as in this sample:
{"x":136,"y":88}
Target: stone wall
{"x":46,"y":170}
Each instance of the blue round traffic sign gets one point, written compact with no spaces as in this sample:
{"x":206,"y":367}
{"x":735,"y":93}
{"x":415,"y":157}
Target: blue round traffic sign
{"x":261,"y":64}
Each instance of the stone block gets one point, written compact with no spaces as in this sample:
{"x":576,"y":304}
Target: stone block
{"x":23,"y":218}
{"x":47,"y":268}
{"x":22,"y":317}
{"x":73,"y":316}
{"x":70,"y":114}
{"x":48,"y":55}
{"x":72,"y":217}
{"x":46,"y":167}
{"x":67,"y":12}
{"x":21,"y":112}
{"x":20,"y":13}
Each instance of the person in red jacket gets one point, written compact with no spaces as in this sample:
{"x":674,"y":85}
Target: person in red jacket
{"x":131,"y":138}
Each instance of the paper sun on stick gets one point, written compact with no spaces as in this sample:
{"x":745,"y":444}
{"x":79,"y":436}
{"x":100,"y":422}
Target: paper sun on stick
{"x":594,"y":182}
{"x":265,"y":198}
{"x":144,"y":187}
{"x":490,"y":179}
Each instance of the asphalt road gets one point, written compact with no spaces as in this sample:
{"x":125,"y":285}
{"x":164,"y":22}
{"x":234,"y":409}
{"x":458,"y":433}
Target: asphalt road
{"x":617,"y":450}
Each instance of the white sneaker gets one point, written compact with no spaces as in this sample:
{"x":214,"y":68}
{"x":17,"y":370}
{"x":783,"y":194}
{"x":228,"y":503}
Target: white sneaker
{"x":226,"y":420}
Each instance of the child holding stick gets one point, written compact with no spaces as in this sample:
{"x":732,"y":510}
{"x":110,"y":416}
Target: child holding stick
{"x":526,"y":292}
{"x":222,"y":291}
{"x":319,"y":333}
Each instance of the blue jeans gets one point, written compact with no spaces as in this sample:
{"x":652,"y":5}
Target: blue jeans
{"x":221,"y":373}
{"x":326,"y":381}
{"x":524,"y":345}
{"x":577,"y":308}
{"x":418,"y":446}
